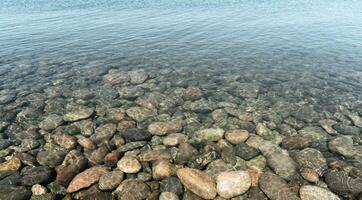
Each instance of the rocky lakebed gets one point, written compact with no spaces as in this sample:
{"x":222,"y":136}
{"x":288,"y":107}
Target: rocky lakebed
{"x":112,"y":131}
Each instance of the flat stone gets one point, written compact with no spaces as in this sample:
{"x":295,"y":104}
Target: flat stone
{"x":111,"y":180}
{"x":236,"y":136}
{"x":51,"y":122}
{"x":168,"y":196}
{"x":342,"y":145}
{"x":36,"y":175}
{"x":104,"y":133}
{"x":66,"y":141}
{"x":163,"y":128}
{"x":340,"y":183}
{"x":76,"y":115}
{"x":198,"y":182}
{"x":171,"y":184}
{"x":276,"y":188}
{"x":309,"y":192}
{"x":138,"y":76}
{"x":210,"y":134}
{"x":14,"y":193}
{"x":129,"y":164}
{"x":139,"y":113}
{"x":310,"y":175}
{"x":51,"y":158}
{"x":87,"y":178}
{"x":153,"y":155}
{"x":132,"y":189}
{"x":313,"y":159}
{"x":277,"y":158}
{"x":135,"y":134}
{"x":86,"y":143}
{"x":233,"y":183}
{"x":245,"y":151}
{"x":12,"y":164}
{"x":162,"y":169}
{"x":356,"y":119}
{"x":174,"y":139}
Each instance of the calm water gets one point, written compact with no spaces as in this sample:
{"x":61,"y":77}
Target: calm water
{"x":285,"y":71}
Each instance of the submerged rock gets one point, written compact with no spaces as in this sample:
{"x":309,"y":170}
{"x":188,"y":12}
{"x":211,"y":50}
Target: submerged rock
{"x":76,"y":115}
{"x":309,"y":192}
{"x":132,"y":189}
{"x":198,"y":182}
{"x":87,"y":178}
{"x":276,"y":188}
{"x":340,"y":183}
{"x":211,"y":134}
{"x":313,"y":159}
{"x":342,"y":145}
{"x":233,"y":183}
{"x":14,"y":193}
{"x":129,"y":164}
{"x":111,"y":180}
{"x":12,"y":164}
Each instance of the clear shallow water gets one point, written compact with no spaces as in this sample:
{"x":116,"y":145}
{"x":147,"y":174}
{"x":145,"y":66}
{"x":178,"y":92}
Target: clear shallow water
{"x":288,"y":72}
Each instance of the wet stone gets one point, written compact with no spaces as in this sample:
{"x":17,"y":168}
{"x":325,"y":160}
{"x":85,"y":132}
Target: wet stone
{"x":275,"y":187}
{"x":211,"y":134}
{"x":174,"y":139}
{"x":309,"y":192}
{"x":27,"y":145}
{"x":38,"y":189}
{"x":114,"y":77}
{"x":163,"y":128}
{"x":87,"y":178}
{"x":310,"y":175}
{"x":138,"y":76}
{"x":111,"y":180}
{"x":162,"y":169}
{"x":192,"y":93}
{"x":153,"y":155}
{"x":96,"y":157}
{"x":14,"y":193}
{"x":129,"y":164}
{"x":130,"y":92}
{"x":12,"y":164}
{"x":245,"y":151}
{"x":139,"y":113}
{"x":199,"y":106}
{"x":342,"y":145}
{"x":135,"y":134}
{"x":66,"y":141}
{"x":168,"y":196}
{"x":103,"y":133}
{"x":51,"y":122}
{"x":86,"y":143}
{"x":171,"y":184}
{"x":51,"y":158}
{"x":315,"y":134}
{"x":277,"y":158}
{"x":36,"y":175}
{"x":313,"y":159}
{"x":76,"y":115}
{"x":198,"y":182}
{"x":356,"y":119}
{"x":131,"y":189}
{"x":340,"y":183}
{"x":233,"y":183}
{"x":295,"y":142}
{"x":236,"y":136}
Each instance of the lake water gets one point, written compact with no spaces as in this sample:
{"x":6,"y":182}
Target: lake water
{"x":288,"y":72}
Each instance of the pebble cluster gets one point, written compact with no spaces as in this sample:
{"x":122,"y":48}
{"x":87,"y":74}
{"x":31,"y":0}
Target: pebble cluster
{"x":131,"y":134}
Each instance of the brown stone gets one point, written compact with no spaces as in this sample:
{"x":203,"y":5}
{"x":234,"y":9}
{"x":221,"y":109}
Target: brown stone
{"x":87,"y":178}
{"x":198,"y":182}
